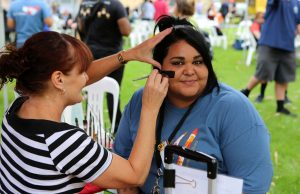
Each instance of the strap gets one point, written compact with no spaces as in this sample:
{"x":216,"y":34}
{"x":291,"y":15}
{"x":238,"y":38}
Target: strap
{"x":171,"y":137}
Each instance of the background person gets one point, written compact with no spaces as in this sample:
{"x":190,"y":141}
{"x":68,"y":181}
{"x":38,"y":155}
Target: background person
{"x":276,"y":51}
{"x":257,"y":23}
{"x":104,"y":36}
{"x":147,"y":10}
{"x":28,"y":18}
{"x":185,"y":9}
{"x":222,"y":121}
{"x":39,"y":153}
{"x":255,"y":29}
{"x":161,"y":8}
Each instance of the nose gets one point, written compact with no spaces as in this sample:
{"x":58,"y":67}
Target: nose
{"x":189,"y":69}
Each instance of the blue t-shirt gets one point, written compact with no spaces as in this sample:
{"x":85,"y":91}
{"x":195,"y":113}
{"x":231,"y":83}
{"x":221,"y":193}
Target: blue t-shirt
{"x":281,"y":20}
{"x":226,"y":126}
{"x":29,"y":18}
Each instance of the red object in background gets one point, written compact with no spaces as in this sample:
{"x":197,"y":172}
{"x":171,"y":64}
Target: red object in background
{"x":90,"y":188}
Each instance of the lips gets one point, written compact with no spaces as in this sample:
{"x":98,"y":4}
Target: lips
{"x":189,"y":82}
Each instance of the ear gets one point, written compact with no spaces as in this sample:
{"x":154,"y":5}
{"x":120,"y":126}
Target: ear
{"x":57,"y":79}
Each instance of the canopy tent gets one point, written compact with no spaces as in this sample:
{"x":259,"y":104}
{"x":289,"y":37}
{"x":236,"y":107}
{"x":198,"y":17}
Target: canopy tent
{"x":255,"y":6}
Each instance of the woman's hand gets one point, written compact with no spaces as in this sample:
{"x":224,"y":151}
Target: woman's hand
{"x":143,"y":51}
{"x":155,"y":91}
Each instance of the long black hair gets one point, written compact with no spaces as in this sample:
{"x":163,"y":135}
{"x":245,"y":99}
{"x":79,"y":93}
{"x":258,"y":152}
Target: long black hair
{"x":184,"y":30}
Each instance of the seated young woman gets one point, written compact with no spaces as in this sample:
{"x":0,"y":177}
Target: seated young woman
{"x":201,"y":114}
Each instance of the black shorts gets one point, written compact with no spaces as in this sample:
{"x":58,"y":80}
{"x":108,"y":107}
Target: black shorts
{"x":275,"y":64}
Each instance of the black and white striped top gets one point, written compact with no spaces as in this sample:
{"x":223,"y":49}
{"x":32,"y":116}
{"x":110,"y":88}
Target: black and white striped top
{"x":40,"y":156}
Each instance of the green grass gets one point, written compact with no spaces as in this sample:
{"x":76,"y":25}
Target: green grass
{"x":231,"y":69}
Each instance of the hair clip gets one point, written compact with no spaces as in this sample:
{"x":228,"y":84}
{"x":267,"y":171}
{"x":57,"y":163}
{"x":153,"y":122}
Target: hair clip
{"x":169,"y":74}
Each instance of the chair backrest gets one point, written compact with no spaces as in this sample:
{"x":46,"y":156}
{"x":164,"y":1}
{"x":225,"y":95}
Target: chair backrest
{"x":95,"y":99}
{"x":73,"y":115}
{"x":243,"y":30}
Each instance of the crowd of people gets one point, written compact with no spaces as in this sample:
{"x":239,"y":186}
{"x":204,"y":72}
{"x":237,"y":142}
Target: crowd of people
{"x":39,"y":153}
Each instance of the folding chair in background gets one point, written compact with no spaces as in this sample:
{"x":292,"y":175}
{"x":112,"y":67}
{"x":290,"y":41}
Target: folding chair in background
{"x":95,"y":110}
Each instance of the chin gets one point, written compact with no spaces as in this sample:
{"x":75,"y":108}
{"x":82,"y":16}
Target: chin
{"x":75,"y":101}
{"x":190,"y":93}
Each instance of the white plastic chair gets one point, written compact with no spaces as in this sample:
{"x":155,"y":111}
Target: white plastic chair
{"x":210,"y":26}
{"x":251,"y":49}
{"x":95,"y":118}
{"x":141,"y":30}
{"x":297,"y":41}
{"x":73,"y":115}
{"x":243,"y":30}
{"x":244,"y":34}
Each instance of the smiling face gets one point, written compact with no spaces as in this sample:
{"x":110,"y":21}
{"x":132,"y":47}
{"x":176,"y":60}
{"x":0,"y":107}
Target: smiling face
{"x":191,"y":74}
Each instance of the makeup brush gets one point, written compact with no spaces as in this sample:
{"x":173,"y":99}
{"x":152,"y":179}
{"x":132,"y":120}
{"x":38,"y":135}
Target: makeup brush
{"x":169,"y":74}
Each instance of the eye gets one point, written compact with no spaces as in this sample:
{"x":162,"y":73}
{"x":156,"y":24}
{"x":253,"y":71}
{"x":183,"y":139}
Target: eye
{"x":198,"y":62}
{"x":177,"y":63}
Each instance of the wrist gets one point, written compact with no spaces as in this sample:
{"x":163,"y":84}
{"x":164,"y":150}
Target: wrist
{"x":150,"y":111}
{"x":122,"y":57}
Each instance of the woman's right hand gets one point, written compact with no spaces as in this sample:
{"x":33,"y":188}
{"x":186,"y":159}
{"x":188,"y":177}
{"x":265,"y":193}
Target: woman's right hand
{"x":143,"y":52}
{"x":155,"y":91}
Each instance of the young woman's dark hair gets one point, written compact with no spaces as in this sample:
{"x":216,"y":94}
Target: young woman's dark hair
{"x":184,"y":30}
{"x":41,"y":55}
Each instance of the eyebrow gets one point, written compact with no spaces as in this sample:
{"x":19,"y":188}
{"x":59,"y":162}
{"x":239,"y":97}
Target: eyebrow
{"x":182,"y":58}
{"x":197,"y":57}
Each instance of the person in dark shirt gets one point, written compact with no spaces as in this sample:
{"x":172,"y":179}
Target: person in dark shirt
{"x":104,"y":36}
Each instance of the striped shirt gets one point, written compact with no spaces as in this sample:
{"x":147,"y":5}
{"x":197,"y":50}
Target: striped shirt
{"x":40,"y":156}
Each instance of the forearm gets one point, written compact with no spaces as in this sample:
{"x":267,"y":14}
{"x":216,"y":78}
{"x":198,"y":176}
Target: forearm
{"x":101,"y":67}
{"x":142,"y":52}
{"x":143,"y":148}
{"x":10,"y":23}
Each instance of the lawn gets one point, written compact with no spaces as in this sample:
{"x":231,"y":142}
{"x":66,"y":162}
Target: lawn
{"x":231,"y":69}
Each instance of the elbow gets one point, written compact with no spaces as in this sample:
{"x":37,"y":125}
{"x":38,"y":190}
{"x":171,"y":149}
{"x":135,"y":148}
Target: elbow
{"x":11,"y":27}
{"x":48,"y":22}
{"x":138,"y":181}
{"x":141,"y":182}
{"x":126,"y":32}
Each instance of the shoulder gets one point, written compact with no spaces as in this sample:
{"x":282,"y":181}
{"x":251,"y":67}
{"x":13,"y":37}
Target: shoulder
{"x":134,"y":106}
{"x":229,"y":95}
{"x":116,"y":7}
{"x":114,"y":3}
{"x":62,"y":131}
{"x":233,"y":104}
{"x":136,"y":100}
